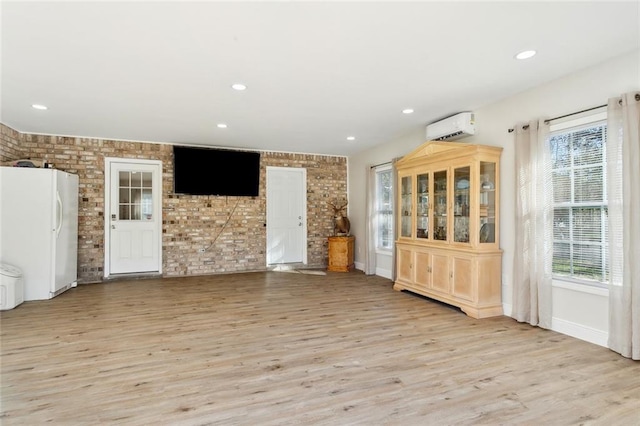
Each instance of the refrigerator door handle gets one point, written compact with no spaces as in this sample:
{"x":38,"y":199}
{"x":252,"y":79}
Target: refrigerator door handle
{"x":60,"y":213}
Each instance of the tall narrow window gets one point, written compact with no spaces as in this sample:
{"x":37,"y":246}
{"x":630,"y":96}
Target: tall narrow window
{"x":384,"y":207}
{"x":580,"y":200}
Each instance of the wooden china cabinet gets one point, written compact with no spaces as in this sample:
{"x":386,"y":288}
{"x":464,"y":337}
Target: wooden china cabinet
{"x":448,"y":226}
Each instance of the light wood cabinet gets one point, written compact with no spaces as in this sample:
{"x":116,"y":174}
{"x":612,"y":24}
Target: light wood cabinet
{"x":448,"y":226}
{"x":341,"y":254}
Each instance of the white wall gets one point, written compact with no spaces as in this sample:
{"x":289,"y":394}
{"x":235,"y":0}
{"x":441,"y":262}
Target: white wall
{"x":577,"y":313}
{"x":358,"y":168}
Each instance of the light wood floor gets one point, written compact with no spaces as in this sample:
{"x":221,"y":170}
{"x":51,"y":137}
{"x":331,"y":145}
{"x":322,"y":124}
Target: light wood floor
{"x":280,"y":348}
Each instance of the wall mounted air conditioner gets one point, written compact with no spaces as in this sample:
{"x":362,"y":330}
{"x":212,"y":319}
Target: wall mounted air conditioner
{"x":451,"y":128}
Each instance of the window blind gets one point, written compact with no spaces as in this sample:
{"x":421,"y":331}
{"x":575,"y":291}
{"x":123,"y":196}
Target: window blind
{"x":580,"y":203}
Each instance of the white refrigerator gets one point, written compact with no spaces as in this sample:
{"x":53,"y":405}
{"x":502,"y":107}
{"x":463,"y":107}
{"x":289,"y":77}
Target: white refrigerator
{"x":39,"y":228}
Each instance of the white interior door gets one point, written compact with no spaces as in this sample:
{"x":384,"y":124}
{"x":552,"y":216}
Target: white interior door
{"x":135,"y":218}
{"x":286,"y":215}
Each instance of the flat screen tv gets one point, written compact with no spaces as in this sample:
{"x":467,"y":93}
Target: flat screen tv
{"x":207,"y":171}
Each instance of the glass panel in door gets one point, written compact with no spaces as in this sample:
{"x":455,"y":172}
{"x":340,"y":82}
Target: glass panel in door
{"x":422,"y":206}
{"x":405,"y":206}
{"x":440,"y":208}
{"x":461,"y":202}
{"x":135,"y":201}
{"x":487,"y":202}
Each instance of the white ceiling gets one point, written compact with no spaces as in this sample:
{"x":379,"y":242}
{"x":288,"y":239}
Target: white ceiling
{"x":316,"y":72}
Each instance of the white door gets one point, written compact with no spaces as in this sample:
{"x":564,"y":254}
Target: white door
{"x":135,"y":218}
{"x":286,"y":215}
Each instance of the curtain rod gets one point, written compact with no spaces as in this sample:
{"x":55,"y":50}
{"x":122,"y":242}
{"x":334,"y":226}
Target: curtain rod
{"x":563,"y":116}
{"x":381,"y":164}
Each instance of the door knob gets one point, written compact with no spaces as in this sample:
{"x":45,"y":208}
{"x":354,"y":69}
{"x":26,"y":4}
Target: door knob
{"x":113,"y":227}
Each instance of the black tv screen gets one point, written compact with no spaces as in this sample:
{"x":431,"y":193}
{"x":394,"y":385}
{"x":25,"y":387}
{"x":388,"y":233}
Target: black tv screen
{"x":206,"y":171}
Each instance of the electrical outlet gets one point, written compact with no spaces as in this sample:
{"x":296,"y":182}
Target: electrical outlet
{"x":201,"y":250}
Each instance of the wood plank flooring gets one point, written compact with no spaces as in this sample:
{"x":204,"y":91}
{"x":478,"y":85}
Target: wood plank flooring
{"x":273,"y":348}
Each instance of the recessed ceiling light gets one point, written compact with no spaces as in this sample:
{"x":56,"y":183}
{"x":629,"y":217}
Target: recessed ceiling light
{"x":38,"y":106}
{"x":351,"y":138}
{"x":525,"y":54}
{"x":407,"y":111}
{"x":222,"y":126}
{"x":238,"y":86}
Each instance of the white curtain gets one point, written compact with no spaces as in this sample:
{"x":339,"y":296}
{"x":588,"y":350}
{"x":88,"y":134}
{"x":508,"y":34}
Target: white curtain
{"x":396,"y":189}
{"x":370,"y":220}
{"x":623,"y":190}
{"x":534,"y":225}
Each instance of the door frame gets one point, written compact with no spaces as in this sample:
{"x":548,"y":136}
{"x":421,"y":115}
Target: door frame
{"x":157,"y":207}
{"x":304,"y":242}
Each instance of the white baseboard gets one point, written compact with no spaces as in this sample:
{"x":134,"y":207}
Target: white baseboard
{"x":580,"y":331}
{"x":507,"y":309}
{"x":385,"y":273}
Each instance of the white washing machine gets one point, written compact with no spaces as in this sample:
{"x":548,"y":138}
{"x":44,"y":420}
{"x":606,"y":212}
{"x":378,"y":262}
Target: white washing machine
{"x":11,"y":287}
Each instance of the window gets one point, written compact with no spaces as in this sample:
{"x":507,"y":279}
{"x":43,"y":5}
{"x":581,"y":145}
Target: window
{"x":384,"y":207}
{"x":580,"y":200}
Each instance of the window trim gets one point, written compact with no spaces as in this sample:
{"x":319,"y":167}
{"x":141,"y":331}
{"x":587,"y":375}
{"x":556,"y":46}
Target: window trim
{"x":577,"y":122}
{"x":384,"y":251}
{"x":598,"y":289}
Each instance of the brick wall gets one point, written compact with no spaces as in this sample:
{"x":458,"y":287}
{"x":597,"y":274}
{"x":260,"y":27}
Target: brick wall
{"x":10,"y":147}
{"x":190,"y":222}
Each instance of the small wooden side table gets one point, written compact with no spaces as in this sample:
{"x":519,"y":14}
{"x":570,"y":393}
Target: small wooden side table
{"x":341,"y":254}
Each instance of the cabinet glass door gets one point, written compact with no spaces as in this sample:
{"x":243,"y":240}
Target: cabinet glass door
{"x":487,"y":202}
{"x":440,"y":207}
{"x":461,"y":202}
{"x":422,"y":206}
{"x":405,"y":206}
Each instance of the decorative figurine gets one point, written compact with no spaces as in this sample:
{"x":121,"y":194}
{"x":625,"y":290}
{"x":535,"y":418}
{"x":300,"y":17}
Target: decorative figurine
{"x":341,"y":224}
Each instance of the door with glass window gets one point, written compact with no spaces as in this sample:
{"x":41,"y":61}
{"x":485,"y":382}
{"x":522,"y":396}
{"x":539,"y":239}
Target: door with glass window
{"x":134,"y":214}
